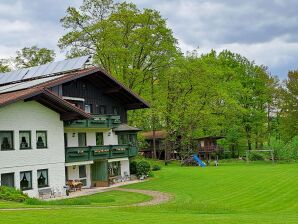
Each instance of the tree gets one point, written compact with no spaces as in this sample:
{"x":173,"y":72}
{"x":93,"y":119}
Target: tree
{"x":289,"y":107}
{"x":131,"y":44}
{"x":134,"y":45}
{"x":4,"y":67}
{"x":33,"y":56}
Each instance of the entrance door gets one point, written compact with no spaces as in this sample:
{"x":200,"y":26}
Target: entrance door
{"x":7,"y":179}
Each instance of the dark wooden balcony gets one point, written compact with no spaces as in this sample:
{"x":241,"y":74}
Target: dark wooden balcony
{"x":210,"y":149}
{"x":90,"y":153}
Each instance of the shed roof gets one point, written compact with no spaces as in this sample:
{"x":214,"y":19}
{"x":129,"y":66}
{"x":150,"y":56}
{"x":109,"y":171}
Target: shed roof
{"x":158,"y":134}
{"x":125,"y":127}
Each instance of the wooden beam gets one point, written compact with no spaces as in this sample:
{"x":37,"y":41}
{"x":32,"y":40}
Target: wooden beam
{"x":68,"y":116}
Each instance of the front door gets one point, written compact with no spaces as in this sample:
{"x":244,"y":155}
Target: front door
{"x":7,"y":179}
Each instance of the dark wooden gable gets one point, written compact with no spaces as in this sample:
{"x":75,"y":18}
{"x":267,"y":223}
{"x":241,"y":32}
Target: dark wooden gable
{"x":95,"y":95}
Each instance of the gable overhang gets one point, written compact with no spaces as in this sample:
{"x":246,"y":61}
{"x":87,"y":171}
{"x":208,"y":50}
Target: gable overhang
{"x":110,"y":86}
{"x":50,"y":100}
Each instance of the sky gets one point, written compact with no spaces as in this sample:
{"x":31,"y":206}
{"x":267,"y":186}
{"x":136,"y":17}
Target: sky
{"x":265,"y":31}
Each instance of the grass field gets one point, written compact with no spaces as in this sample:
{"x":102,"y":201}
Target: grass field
{"x":231,"y":193}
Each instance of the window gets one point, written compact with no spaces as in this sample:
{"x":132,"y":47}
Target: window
{"x":99,"y":138}
{"x":83,"y":175}
{"x":26,"y":180}
{"x":7,"y":179}
{"x":102,"y":109}
{"x":88,"y":108}
{"x":42,"y":178}
{"x":122,"y":139}
{"x":115,"y":110}
{"x":41,"y":139}
{"x":6,"y":140}
{"x":25,"y":139}
{"x":114,"y":169}
{"x":132,"y":139}
{"x":82,"y":139}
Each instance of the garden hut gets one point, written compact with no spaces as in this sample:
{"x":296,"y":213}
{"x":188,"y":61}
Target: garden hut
{"x":160,"y":137}
{"x":207,"y":146}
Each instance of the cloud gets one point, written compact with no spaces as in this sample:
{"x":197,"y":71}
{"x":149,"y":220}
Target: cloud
{"x":264,"y":31}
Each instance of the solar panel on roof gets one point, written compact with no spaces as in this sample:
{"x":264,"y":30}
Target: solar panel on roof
{"x":19,"y":74}
{"x":26,"y":84}
{"x":44,"y":70}
{"x":50,"y":68}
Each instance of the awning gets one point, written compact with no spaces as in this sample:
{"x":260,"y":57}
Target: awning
{"x":119,"y":159}
{"x":79,"y":163}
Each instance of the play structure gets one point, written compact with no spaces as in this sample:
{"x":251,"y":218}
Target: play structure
{"x":200,"y":162}
{"x":205,"y":150}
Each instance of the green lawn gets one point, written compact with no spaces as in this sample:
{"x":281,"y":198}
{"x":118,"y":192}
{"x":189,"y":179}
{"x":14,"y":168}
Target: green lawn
{"x":110,"y":198}
{"x":231,"y":193}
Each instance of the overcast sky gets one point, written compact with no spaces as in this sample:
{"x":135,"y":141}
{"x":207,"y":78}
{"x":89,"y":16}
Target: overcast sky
{"x":265,"y":31}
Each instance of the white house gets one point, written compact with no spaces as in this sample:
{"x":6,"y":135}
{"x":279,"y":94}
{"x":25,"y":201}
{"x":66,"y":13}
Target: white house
{"x":65,"y":124}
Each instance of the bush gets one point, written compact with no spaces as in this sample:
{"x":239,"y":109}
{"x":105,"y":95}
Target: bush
{"x":156,"y":168}
{"x":254,"y":156}
{"x":12,"y":194}
{"x":133,"y":167}
{"x":284,"y":151}
{"x":143,"y":168}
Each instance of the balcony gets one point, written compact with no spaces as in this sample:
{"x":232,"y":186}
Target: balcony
{"x":89,"y":153}
{"x":98,"y":121}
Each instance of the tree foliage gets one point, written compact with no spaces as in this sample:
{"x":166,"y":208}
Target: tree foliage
{"x":33,"y":56}
{"x":4,"y":67}
{"x":191,"y":95}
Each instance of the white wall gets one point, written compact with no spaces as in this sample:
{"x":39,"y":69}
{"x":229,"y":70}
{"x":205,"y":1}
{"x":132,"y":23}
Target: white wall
{"x":124,"y":167}
{"x":33,"y":116}
{"x":109,"y":137}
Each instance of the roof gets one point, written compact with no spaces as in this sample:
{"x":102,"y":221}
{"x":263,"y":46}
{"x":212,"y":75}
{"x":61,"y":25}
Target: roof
{"x":45,"y":70}
{"x":96,"y":75}
{"x":46,"y":98}
{"x":125,"y":127}
{"x":158,"y":134}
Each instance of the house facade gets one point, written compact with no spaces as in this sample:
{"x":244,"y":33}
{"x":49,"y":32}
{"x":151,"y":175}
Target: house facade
{"x":70,"y":125}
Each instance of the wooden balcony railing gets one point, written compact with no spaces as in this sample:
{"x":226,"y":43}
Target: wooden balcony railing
{"x":98,"y":121}
{"x":89,"y":153}
{"x":214,"y":148}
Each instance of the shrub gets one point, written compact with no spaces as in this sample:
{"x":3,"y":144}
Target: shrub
{"x":133,"y":167}
{"x":284,"y":151}
{"x":156,"y":168}
{"x":150,"y":174}
{"x":12,"y":194}
{"x":143,"y":168}
{"x":253,"y":156}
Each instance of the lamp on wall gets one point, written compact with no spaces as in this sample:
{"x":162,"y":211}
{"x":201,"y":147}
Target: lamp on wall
{"x":73,"y":135}
{"x":73,"y":167}
{"x":109,"y":133}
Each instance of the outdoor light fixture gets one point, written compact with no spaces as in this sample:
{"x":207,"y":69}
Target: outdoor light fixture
{"x":73,"y":135}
